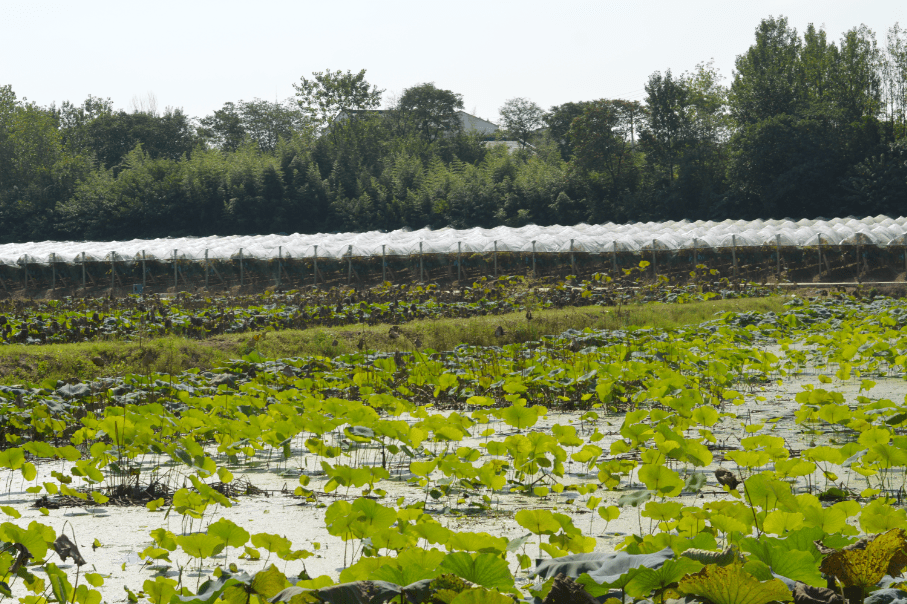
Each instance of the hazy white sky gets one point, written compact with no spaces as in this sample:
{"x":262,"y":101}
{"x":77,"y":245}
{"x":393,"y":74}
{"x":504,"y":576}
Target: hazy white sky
{"x":199,"y":54}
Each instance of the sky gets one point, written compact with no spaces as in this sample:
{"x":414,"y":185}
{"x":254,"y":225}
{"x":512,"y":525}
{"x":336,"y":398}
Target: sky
{"x":198,"y":54}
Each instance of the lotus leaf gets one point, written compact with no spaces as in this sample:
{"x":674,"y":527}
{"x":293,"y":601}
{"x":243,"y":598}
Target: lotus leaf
{"x":733,"y":585}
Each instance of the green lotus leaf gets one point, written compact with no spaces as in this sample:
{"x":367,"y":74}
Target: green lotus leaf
{"x":648,"y":580}
{"x":487,"y":570}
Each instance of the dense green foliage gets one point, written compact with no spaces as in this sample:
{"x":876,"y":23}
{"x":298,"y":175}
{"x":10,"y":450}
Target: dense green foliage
{"x":807,"y":127}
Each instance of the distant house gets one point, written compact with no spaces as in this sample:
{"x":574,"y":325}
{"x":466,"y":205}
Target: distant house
{"x":489,"y":131}
{"x":469,"y":122}
{"x":472,"y":123}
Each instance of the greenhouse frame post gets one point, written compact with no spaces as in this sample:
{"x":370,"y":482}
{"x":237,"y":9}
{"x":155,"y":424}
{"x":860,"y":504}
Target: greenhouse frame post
{"x":820,"y":255}
{"x":53,"y":270}
{"x":279,"y":263}
{"x":533,"y":259}
{"x":83,"y":270}
{"x":143,"y":271}
{"x":572,"y":260}
{"x":175,"y":272}
{"x":113,"y":271}
{"x":25,"y":266}
{"x":241,"y":275}
{"x":778,"y":253}
{"x":734,"y":253}
{"x":859,"y":268}
{"x":614,"y":258}
{"x":421,"y":271}
{"x":495,"y":258}
{"x":383,"y":265}
{"x":459,"y":263}
{"x":315,"y":265}
{"x":654,"y":263}
{"x":206,"y":268}
{"x":349,"y":264}
{"x":695,"y":251}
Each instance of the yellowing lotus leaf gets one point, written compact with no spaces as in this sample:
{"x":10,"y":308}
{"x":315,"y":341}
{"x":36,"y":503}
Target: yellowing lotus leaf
{"x":868,"y":560}
{"x":733,"y":585}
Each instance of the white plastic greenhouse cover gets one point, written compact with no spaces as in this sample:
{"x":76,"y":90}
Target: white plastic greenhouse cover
{"x":595,"y":238}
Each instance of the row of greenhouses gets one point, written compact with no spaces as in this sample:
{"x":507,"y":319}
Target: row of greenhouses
{"x":879,"y":231}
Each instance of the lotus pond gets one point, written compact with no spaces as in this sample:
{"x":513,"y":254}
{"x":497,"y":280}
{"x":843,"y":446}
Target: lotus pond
{"x":478,"y":474}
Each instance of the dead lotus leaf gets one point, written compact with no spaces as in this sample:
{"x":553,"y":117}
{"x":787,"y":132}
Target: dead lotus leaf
{"x":733,"y":585}
{"x":865,"y":562}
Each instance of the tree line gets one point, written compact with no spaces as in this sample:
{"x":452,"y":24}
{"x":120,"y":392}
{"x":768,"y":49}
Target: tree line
{"x":807,"y":127}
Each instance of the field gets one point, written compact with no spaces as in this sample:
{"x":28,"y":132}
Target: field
{"x":415,"y":445}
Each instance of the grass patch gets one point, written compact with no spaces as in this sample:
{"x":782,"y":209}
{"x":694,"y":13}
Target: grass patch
{"x":174,"y":354}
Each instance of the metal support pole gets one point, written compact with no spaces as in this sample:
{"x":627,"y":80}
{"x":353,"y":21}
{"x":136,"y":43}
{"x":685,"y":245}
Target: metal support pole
{"x":421,"y":271}
{"x":495,"y":258}
{"x":734,"y":253}
{"x":459,"y":263}
{"x":572,"y":259}
{"x":53,"y":270}
{"x":113,"y":271}
{"x":25,"y":266}
{"x":383,"y":265}
{"x":316,"y":266}
{"x":820,"y":256}
{"x":175,"y":272}
{"x":279,"y":263}
{"x":695,"y":250}
{"x":533,"y":259}
{"x":143,"y":272}
{"x":654,"y":264}
{"x":206,"y":268}
{"x":614,"y":258}
{"x":859,"y":278}
{"x":241,"y":275}
{"x":349,"y":264}
{"x":83,"y":270}
{"x":778,"y":251}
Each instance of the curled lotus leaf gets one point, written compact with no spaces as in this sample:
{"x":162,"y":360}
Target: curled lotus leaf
{"x":865,"y":562}
{"x":727,"y":556}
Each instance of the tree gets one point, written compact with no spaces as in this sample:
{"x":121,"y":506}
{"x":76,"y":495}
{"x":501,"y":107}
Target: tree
{"x":224,"y":128}
{"x":521,"y":117}
{"x":112,"y":136}
{"x":894,"y":69}
{"x":669,"y":127}
{"x":263,"y":122}
{"x":329,"y":93}
{"x":858,"y":81}
{"x":600,"y":138}
{"x":768,"y":80}
{"x":430,"y":111}
{"x":559,"y":119}
{"x":74,"y":119}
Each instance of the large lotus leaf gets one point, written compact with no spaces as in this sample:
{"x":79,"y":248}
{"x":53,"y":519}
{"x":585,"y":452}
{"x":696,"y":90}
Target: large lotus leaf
{"x":487,"y":570}
{"x":358,"y":592}
{"x":733,"y":585}
{"x":229,"y":532}
{"x":648,"y":580}
{"x":410,"y":566}
{"x":479,"y":595}
{"x":540,"y":522}
{"x":865,"y":563}
{"x":794,"y":557}
{"x":265,"y":584}
{"x":617,"y":569}
{"x":768,"y":493}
